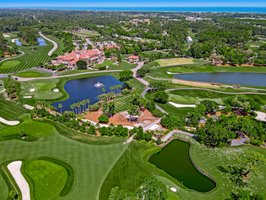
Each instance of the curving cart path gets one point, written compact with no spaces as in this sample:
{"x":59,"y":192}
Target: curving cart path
{"x":54,"y":43}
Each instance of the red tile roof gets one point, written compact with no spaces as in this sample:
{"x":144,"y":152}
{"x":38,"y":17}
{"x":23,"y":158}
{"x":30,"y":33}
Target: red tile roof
{"x":75,"y":56}
{"x":133,"y":57}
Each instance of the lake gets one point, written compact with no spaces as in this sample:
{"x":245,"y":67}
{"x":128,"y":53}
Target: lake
{"x":235,"y":78}
{"x":174,"y":159}
{"x":41,"y":41}
{"x":81,"y":89}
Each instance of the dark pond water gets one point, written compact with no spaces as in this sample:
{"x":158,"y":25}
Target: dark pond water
{"x":249,"y":79}
{"x":41,"y":41}
{"x":174,"y":159}
{"x":81,"y":89}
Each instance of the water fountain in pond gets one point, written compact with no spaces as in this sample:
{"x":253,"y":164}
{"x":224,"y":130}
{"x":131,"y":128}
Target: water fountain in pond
{"x":98,"y":84}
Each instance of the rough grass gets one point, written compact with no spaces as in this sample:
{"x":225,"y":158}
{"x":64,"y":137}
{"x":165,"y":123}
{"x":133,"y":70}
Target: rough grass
{"x":47,"y":178}
{"x":174,"y":61}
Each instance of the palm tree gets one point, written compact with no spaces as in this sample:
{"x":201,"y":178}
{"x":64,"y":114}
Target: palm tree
{"x":60,"y":106}
{"x":103,"y":89}
{"x":72,"y":106}
{"x":88,"y":101}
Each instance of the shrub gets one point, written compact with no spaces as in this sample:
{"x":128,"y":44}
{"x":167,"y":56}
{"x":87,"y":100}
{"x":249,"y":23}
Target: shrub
{"x":157,"y":113}
{"x":161,"y":97}
{"x":103,"y":119}
{"x":102,"y":68}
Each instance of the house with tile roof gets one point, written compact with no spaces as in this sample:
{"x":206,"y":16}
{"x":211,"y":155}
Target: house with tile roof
{"x":91,"y":56}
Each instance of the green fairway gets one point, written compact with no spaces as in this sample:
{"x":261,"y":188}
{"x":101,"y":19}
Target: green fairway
{"x":162,"y":72}
{"x":43,"y":89}
{"x":90,"y":159}
{"x":32,"y":73}
{"x":33,"y":57}
{"x":10,"y":110}
{"x":9,"y":64}
{"x":29,"y":127}
{"x":194,"y":96}
{"x":48,"y":179}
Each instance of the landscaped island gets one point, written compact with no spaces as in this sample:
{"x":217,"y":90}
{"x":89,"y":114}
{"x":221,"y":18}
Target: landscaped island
{"x":126,"y":106}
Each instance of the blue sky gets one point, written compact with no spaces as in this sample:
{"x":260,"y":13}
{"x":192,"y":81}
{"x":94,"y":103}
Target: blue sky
{"x":124,"y":3}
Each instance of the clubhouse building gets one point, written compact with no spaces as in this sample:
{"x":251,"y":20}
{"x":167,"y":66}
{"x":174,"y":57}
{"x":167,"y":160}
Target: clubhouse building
{"x":91,"y":57}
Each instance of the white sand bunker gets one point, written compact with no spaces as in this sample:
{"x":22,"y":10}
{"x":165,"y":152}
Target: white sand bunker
{"x":28,"y":107}
{"x":27,"y":97}
{"x":32,"y":89}
{"x":173,"y":189}
{"x":15,"y":170}
{"x":10,"y":123}
{"x":55,"y":90}
{"x":177,"y":105}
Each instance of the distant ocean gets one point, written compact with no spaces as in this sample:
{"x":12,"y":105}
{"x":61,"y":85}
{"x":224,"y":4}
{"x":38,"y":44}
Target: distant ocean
{"x":169,"y":9}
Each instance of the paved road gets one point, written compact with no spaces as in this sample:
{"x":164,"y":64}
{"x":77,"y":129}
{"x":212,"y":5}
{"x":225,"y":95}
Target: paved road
{"x":54,"y":43}
{"x":63,"y":76}
{"x":21,"y":54}
{"x":146,"y":83}
{"x":170,"y":134}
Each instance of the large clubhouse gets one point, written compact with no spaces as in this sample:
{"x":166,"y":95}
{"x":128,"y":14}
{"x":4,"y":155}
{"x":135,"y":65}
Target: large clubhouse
{"x":91,"y":56}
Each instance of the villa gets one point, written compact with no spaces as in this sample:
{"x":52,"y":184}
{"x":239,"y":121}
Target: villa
{"x":133,"y":59}
{"x":107,"y":45}
{"x":91,"y":56}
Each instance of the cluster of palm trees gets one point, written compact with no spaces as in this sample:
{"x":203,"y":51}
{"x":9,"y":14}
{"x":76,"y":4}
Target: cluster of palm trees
{"x":80,"y":106}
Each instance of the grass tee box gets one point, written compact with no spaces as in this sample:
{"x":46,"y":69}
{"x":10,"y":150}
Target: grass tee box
{"x":175,"y":61}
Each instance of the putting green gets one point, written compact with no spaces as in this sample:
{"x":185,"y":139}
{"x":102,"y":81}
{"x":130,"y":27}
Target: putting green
{"x":9,"y":64}
{"x":47,"y":178}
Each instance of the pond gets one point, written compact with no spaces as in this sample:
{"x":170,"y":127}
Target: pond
{"x":82,"y":89}
{"x":41,"y":41}
{"x":236,"y":78}
{"x":18,"y":43}
{"x":174,"y":159}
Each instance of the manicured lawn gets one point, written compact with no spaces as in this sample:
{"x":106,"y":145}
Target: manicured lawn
{"x":33,"y":57}
{"x":48,"y":178}
{"x":10,"y":110}
{"x":194,"y":96}
{"x":161,"y":72}
{"x":32,"y":73}
{"x":90,"y":159}
{"x":29,"y":127}
{"x":44,"y":89}
{"x":9,"y":64}
{"x":174,"y":61}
